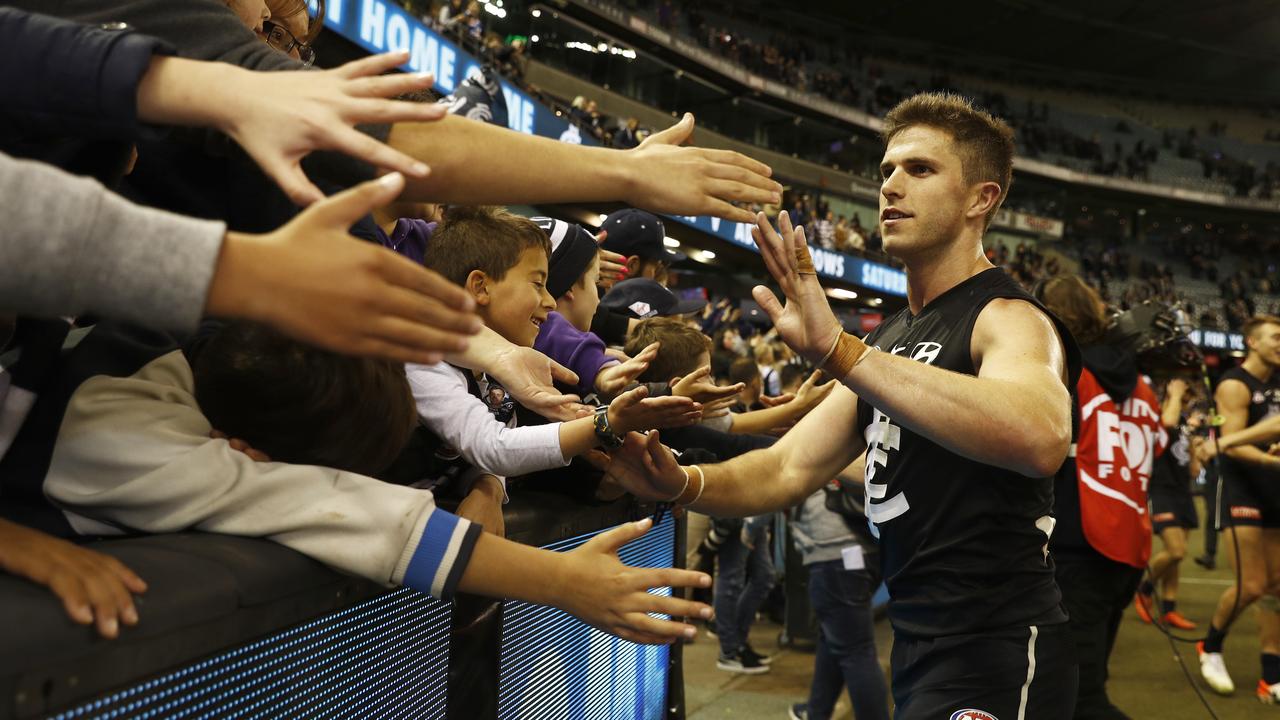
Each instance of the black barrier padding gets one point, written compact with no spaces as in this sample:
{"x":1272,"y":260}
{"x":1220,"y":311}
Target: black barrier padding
{"x":206,"y":592}
{"x":211,"y":595}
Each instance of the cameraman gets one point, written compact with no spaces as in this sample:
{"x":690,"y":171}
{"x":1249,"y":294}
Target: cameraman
{"x":1103,"y":535}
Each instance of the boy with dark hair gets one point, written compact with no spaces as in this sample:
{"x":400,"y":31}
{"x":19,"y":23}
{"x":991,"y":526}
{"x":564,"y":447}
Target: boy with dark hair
{"x":792,"y":376}
{"x":744,"y":370}
{"x":352,"y":413}
{"x":137,"y":454}
{"x":750,"y":415}
{"x":501,"y":260}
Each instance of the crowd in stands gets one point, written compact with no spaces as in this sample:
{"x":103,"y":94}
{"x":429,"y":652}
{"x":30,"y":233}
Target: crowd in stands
{"x":842,"y":74}
{"x":1122,"y":279}
{"x":1126,"y":280}
{"x":1105,"y":264}
{"x":831,"y":231}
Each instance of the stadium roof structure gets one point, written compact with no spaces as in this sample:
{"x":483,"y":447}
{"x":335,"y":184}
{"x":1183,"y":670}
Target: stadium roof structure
{"x":1221,"y":51}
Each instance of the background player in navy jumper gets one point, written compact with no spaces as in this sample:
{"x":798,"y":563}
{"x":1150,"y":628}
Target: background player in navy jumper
{"x":1247,"y":396}
{"x":963,"y":412}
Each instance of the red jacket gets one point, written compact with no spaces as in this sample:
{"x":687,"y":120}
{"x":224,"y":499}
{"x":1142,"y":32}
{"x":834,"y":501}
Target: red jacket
{"x":1114,"y":455}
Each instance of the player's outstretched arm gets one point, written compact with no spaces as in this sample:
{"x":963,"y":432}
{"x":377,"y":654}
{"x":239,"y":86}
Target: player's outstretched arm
{"x":660,"y":175}
{"x":1015,"y":414}
{"x":1232,"y":398}
{"x":1264,"y":432}
{"x":775,"y":478}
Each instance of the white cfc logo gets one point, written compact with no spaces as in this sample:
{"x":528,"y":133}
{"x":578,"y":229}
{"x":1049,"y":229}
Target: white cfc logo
{"x":882,"y":436}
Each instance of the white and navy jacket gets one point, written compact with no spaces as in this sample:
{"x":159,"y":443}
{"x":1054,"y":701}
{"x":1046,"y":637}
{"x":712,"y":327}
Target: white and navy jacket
{"x":134,"y":455}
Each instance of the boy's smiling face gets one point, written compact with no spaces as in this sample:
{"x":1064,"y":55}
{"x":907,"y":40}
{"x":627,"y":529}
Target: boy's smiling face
{"x":516,"y":306}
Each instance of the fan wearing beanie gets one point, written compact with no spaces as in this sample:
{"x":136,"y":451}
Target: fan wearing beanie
{"x":565,"y":336}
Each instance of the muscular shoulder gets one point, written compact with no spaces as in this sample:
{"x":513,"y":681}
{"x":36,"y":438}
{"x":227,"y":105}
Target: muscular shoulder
{"x":1008,"y":326}
{"x":1232,"y":392}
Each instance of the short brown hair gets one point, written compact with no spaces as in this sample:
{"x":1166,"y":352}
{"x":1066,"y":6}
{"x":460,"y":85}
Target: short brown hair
{"x":744,"y":370}
{"x":299,"y":404}
{"x":484,"y":238}
{"x":1257,"y":321}
{"x":984,"y":142}
{"x":681,"y":347}
{"x":1076,"y":305}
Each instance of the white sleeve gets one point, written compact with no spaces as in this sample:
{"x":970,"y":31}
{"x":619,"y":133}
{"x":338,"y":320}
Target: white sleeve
{"x":724,"y":423}
{"x":136,"y":452}
{"x":464,"y":422}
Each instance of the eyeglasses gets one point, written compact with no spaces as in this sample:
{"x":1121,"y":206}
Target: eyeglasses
{"x":281,"y":39}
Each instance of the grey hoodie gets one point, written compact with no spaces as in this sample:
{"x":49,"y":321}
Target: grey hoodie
{"x":71,"y":246}
{"x":819,"y":533}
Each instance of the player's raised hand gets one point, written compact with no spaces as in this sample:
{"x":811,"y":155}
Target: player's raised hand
{"x":806,"y":323}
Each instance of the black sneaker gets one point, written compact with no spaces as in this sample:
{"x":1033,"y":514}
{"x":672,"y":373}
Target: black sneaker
{"x":1206,"y":561}
{"x":799,"y":711}
{"x":750,"y":652}
{"x":739,"y":664}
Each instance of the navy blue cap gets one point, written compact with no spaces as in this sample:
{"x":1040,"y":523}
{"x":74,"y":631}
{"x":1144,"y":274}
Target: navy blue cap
{"x":636,"y":232}
{"x":645,"y":298}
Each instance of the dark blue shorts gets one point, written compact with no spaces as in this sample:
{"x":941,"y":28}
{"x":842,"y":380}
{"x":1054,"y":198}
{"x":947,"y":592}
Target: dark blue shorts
{"x":1172,"y":506}
{"x":1011,"y":674}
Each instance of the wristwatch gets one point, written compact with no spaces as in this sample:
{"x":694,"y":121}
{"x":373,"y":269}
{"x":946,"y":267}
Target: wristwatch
{"x":603,"y":431}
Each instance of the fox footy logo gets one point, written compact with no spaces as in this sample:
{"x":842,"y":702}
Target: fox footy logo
{"x":972,"y":714}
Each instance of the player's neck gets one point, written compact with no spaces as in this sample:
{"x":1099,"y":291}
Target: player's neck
{"x":929,"y":277}
{"x":1257,"y":367}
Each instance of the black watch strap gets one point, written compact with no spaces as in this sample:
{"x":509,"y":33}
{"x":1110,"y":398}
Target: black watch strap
{"x":603,"y":430}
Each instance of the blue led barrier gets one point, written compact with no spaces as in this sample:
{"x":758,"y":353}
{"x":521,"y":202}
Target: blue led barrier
{"x":388,"y":657}
{"x":553,"y":666}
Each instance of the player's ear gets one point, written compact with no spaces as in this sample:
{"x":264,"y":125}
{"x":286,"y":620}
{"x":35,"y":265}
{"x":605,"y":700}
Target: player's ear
{"x":985,"y":197}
